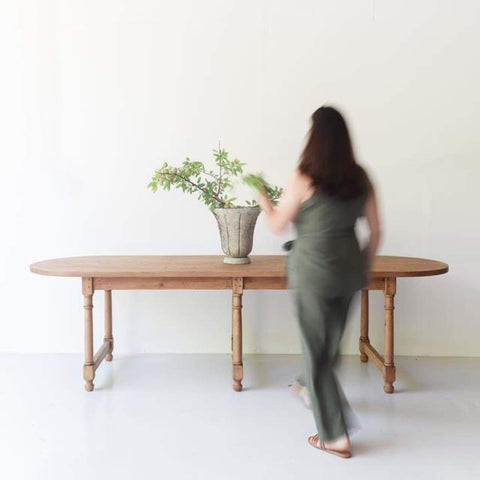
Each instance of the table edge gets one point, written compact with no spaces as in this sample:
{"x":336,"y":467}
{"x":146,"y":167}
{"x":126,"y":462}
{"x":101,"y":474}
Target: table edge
{"x":383,"y":274}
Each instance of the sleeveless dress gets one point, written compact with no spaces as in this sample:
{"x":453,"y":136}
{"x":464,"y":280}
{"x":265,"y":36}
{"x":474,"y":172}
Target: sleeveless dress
{"x":325,"y":267}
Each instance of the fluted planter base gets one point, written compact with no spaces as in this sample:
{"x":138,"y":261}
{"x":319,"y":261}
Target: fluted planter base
{"x":235,"y":260}
{"x":236,"y":227}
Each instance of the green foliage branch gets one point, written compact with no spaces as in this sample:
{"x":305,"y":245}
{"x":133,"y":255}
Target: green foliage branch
{"x":212,"y":187}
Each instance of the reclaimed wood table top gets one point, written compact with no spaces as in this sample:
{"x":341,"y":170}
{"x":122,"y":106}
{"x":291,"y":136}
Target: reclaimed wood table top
{"x":266,"y":266}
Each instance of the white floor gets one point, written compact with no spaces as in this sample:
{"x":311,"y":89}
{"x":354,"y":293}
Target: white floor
{"x":177,"y":417}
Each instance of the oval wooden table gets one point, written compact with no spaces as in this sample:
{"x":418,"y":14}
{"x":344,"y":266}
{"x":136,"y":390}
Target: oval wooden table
{"x":194,"y":272}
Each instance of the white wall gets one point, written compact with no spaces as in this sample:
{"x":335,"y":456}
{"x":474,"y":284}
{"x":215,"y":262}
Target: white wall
{"x":95,"y":95}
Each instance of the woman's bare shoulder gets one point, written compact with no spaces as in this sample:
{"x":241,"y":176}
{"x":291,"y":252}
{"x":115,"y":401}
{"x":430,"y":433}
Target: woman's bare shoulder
{"x":299,"y":184}
{"x":300,"y":178}
{"x":368,"y":181}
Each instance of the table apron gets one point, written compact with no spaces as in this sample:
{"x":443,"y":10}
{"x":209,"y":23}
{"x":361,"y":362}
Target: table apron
{"x":187,"y":283}
{"x":202,"y":283}
{"x":376,"y":284}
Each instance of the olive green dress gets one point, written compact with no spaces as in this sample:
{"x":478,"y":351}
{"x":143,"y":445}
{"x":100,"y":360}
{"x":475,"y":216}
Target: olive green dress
{"x":325,"y":267}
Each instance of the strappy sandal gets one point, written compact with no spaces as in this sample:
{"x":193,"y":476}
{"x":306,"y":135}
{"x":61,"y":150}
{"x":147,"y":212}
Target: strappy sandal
{"x":313,"y":441}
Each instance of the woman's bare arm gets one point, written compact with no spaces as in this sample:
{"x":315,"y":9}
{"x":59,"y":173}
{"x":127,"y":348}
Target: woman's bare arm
{"x":279,"y":217}
{"x":371,"y":214}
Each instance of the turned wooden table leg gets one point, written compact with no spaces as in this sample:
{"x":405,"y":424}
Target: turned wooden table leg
{"x":237,"y":292}
{"x":364,"y":325}
{"x":108,"y":324}
{"x":388,"y":364}
{"x":88,"y":366}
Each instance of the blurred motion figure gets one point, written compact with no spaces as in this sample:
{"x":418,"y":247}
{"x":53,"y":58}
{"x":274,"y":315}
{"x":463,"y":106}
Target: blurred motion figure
{"x":325,"y":266}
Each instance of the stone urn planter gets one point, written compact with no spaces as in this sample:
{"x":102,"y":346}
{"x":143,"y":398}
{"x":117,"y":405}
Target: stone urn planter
{"x":236,"y":223}
{"x":236,"y":226}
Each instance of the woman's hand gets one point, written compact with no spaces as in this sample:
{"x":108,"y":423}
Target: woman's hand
{"x":368,"y":266}
{"x":279,"y":216}
{"x":265,"y":203}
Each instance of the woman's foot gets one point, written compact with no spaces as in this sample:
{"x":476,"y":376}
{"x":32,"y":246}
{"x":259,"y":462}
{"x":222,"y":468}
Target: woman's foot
{"x":302,"y":391}
{"x":341,"y":443}
{"x":340,"y":446}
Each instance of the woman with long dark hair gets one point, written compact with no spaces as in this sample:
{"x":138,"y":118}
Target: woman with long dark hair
{"x":324,"y":196}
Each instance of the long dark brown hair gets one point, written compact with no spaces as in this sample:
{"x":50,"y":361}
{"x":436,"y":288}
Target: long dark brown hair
{"x":328,"y":157}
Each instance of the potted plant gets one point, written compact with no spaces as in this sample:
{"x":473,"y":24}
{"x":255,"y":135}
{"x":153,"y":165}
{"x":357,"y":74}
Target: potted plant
{"x":236,"y":223}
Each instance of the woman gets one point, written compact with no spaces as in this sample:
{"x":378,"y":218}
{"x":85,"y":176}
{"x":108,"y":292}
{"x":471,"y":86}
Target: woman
{"x":323,"y":197}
